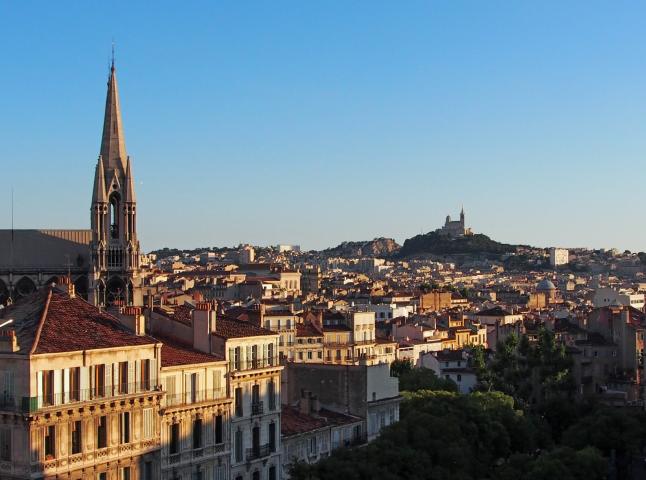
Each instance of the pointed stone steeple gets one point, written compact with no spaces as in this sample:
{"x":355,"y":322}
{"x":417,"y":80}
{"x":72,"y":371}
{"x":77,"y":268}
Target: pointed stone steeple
{"x":98,"y":194}
{"x":129,"y":187}
{"x":113,"y":143}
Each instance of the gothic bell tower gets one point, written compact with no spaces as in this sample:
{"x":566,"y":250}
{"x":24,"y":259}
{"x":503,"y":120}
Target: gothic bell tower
{"x":115,"y":276}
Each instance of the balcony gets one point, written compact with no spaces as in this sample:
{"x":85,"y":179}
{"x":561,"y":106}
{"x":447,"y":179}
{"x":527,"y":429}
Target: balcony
{"x":198,"y":396}
{"x":257,"y":408}
{"x":101,"y":392}
{"x":253,"y":364}
{"x":259,"y":451}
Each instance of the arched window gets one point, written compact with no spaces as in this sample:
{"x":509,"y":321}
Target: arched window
{"x":114,"y":215}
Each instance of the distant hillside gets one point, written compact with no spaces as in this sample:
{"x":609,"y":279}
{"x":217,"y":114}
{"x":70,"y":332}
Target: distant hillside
{"x":434,"y":243}
{"x":379,"y":247}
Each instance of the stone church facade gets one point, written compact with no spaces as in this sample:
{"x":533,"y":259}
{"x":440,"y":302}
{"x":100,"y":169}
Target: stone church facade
{"x":102,"y":262}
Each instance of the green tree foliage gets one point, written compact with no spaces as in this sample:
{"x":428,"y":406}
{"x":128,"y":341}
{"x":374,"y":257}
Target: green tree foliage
{"x":530,"y":373}
{"x":412,"y":379}
{"x":563,"y":463}
{"x":440,"y":435}
{"x":438,"y":244}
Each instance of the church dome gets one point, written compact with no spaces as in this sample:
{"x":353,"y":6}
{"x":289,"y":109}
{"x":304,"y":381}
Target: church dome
{"x":545,"y":285}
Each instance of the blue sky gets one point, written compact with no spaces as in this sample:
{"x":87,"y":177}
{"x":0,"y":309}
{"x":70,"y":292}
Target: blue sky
{"x":317,"y":122}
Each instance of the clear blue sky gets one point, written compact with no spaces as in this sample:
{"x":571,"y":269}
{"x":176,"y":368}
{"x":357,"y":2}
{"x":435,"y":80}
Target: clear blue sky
{"x":316,"y":122}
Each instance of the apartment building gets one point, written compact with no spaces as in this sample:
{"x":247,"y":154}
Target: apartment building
{"x":81,"y":393}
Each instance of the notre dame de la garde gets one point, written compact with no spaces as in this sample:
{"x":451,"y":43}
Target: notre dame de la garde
{"x":103,"y":262}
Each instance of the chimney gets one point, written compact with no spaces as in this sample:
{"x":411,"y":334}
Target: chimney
{"x":204,"y":321}
{"x":133,"y":318}
{"x":315,"y":404}
{"x":304,"y":404}
{"x":8,"y":340}
{"x":66,"y":286}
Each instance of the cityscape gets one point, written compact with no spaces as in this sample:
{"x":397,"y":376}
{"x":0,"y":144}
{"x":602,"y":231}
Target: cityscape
{"x":452,"y":353}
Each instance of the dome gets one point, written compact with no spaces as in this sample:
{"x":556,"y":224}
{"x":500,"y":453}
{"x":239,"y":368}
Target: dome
{"x":545,"y":285}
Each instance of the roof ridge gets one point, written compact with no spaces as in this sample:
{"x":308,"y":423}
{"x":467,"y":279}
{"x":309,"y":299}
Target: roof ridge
{"x":41,"y":322}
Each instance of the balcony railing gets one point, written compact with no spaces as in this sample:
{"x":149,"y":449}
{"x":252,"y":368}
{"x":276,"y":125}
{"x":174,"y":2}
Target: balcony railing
{"x":253,"y":364}
{"x":197,"y":396}
{"x":259,"y":451}
{"x":257,"y":408}
{"x":32,"y":404}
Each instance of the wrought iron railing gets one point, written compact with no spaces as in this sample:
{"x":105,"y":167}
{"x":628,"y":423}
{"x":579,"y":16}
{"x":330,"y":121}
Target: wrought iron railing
{"x":258,"y":451}
{"x":253,"y":364}
{"x":257,"y":408}
{"x":197,"y":396}
{"x":32,"y":404}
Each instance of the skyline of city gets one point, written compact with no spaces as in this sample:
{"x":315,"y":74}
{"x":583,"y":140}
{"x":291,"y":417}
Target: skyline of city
{"x":262,"y":144}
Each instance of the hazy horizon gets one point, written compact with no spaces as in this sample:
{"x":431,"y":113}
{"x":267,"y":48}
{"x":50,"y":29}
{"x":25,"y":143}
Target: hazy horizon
{"x":314,"y":124}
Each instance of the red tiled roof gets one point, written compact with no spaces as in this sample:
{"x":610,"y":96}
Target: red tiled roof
{"x":293,"y":422}
{"x":228,"y":327}
{"x":49,"y":321}
{"x":179,"y":313}
{"x":308,"y":329}
{"x":174,"y":352}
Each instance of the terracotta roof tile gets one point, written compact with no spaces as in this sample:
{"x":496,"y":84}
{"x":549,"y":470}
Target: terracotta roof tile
{"x":174,"y":352}
{"x":49,"y":321}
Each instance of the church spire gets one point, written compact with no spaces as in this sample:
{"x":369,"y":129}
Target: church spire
{"x":98,"y":194}
{"x":113,"y":143}
{"x":129,"y":194}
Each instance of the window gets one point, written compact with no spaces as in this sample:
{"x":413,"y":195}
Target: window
{"x":255,"y":395}
{"x":271,"y":394}
{"x":459,"y":377}
{"x":238,"y":402}
{"x":300,"y":355}
{"x":312,"y":446}
{"x":99,"y":380}
{"x":48,"y":387}
{"x":255,"y":475}
{"x":149,"y":425}
{"x":218,"y":429}
{"x":102,"y":476}
{"x":145,"y":374}
{"x":50,"y":442}
{"x":75,"y":384}
{"x":124,"y":427}
{"x":238,"y":446}
{"x":76,"y":436}
{"x":102,"y":432}
{"x":236,"y":358}
{"x":272,"y":473}
{"x":197,"y":433}
{"x":254,"y":356}
{"x":270,"y":354}
{"x":173,"y":448}
{"x":255,"y":441}
{"x":272,"y":437}
{"x":320,"y":355}
{"x":123,"y":377}
{"x":148,"y":470}
{"x":125,"y":473}
{"x":5,"y":444}
{"x":194,"y":387}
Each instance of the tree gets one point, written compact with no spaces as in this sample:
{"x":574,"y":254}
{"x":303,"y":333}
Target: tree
{"x":424,"y":379}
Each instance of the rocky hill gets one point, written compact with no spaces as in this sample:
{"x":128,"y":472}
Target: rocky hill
{"x":379,"y":247}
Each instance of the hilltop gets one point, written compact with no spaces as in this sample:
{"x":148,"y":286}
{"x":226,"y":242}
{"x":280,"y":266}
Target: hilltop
{"x":435,"y":243}
{"x":379,"y":247}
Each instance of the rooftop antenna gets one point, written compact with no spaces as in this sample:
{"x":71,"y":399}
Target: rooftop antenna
{"x":68,"y":264}
{"x":12,"y":235}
